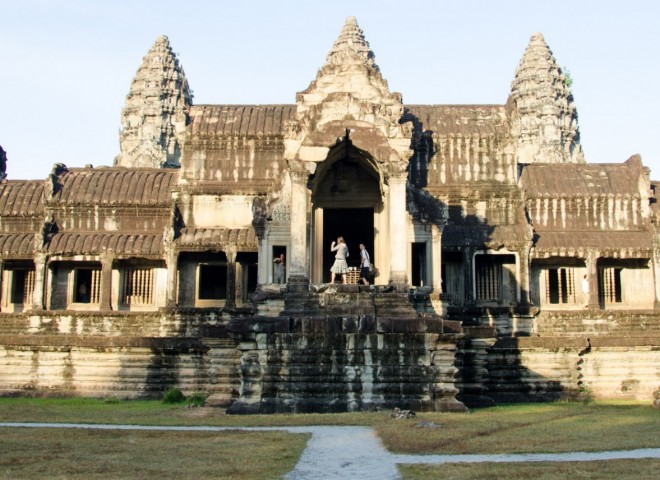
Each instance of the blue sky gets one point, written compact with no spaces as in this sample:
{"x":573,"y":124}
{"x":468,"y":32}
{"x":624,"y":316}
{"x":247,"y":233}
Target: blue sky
{"x":66,"y":66}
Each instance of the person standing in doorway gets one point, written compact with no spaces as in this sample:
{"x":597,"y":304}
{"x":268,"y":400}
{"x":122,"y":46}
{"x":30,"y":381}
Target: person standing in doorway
{"x":365,"y":263}
{"x":279,"y":267}
{"x":340,"y":266}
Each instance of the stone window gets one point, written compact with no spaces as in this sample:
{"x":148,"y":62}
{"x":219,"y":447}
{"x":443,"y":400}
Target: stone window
{"x":488,"y":278}
{"x":560,"y":285}
{"x":212,"y":282}
{"x":22,"y":286}
{"x":137,"y":286}
{"x":609,"y":285}
{"x":87,"y":285}
{"x":494,"y":278}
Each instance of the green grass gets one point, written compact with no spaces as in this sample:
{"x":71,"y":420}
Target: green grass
{"x":645,"y":469}
{"x":154,"y":412}
{"x":550,"y":427}
{"x":27,"y":453}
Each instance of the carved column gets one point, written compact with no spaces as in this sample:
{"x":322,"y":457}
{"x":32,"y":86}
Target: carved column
{"x":592,"y":276}
{"x":468,"y":273}
{"x":263,"y":260}
{"x":231,"y":277}
{"x":172,"y":277}
{"x":39,"y":281}
{"x":2,"y":299}
{"x":298,"y":276}
{"x":524,"y":276}
{"x":398,"y":216}
{"x":436,"y":258}
{"x":105,"y":301}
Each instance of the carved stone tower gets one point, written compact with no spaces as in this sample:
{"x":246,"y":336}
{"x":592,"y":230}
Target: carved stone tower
{"x":156,"y":111}
{"x":545,"y":121}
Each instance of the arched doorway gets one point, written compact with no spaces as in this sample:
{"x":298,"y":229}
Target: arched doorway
{"x":346,"y":201}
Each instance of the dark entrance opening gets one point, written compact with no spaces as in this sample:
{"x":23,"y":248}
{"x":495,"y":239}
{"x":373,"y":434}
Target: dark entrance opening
{"x":418,"y":264}
{"x":356,"y":225}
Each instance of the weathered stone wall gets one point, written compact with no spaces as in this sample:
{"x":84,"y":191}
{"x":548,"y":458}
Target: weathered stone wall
{"x":334,"y":361}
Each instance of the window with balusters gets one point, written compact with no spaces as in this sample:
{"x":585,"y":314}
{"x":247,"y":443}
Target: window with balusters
{"x":137,"y":286}
{"x":560,"y":286}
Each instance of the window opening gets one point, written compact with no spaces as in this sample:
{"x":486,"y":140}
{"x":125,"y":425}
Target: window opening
{"x":137,"y":288}
{"x":609,"y":285}
{"x":560,"y":285}
{"x":212,"y":282}
{"x":87,"y":285}
{"x":22,"y":286}
{"x":488,"y":278}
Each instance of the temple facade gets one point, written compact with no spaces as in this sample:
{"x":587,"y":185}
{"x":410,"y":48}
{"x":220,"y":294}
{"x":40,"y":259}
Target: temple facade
{"x":507,"y":267}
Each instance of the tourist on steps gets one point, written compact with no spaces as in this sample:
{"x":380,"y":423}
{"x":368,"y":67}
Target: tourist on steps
{"x":340,"y":266}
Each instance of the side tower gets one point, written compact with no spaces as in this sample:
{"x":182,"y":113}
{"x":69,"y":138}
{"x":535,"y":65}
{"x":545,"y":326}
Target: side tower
{"x":156,"y":111}
{"x":543,"y":116}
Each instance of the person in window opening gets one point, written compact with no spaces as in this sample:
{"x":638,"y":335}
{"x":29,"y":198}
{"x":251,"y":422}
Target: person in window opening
{"x":365,"y":263}
{"x":340,"y":266}
{"x":279,"y":266}
{"x":83,"y":297}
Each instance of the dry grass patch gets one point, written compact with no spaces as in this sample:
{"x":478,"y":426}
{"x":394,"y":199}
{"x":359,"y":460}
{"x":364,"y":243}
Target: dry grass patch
{"x":555,"y":427}
{"x":100,"y":454}
{"x":603,"y":470}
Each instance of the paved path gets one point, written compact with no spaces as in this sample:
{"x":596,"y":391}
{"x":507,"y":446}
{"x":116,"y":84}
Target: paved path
{"x":356,"y":452}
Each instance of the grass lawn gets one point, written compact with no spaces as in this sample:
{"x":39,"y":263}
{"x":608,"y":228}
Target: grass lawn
{"x":540,"y":428}
{"x":101,"y":454}
{"x":550,"y":427}
{"x":602,"y":470}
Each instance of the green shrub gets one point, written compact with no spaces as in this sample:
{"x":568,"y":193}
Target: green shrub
{"x":196,"y":400}
{"x":173,"y":395}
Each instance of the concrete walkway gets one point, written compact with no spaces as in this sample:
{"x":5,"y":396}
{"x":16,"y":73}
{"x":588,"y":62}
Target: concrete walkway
{"x":356,"y":452}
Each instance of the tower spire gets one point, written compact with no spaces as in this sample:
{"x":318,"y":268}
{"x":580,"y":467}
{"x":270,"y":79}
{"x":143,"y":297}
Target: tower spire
{"x":156,"y":110}
{"x":545,"y":119}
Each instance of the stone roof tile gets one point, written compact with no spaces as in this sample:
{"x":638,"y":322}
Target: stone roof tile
{"x":21,"y":197}
{"x":17,"y":244}
{"x":97,"y":243}
{"x":116,"y":186}
{"x":239,"y":120}
{"x":579,"y":179}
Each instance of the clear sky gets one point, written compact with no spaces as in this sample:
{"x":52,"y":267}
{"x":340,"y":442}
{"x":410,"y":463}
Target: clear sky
{"x":66,"y":65}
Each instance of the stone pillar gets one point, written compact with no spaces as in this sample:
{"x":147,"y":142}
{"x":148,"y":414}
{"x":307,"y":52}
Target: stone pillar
{"x":468,"y":274}
{"x":398,"y":216}
{"x":298,"y":278}
{"x":523,"y":281}
{"x":39,"y":281}
{"x":105,"y":301}
{"x":230,"y":302}
{"x":263,"y":259}
{"x":172,"y":277}
{"x":592,"y":275}
{"x":436,"y":258}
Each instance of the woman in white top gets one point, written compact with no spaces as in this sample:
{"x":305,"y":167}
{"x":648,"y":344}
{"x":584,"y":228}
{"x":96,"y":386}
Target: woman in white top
{"x":340,"y":266}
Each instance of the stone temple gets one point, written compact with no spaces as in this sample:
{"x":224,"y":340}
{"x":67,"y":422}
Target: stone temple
{"x":507,"y":267}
